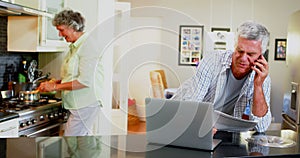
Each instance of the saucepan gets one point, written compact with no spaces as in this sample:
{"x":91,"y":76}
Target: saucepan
{"x":17,"y":87}
{"x":28,"y":86}
{"x":29,"y":96}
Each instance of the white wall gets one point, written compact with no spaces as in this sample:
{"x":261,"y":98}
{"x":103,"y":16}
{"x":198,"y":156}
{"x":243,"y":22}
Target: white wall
{"x":274,"y":14}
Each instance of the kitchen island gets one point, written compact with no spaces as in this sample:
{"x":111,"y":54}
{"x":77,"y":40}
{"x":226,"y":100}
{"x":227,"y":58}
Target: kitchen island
{"x":135,"y":145}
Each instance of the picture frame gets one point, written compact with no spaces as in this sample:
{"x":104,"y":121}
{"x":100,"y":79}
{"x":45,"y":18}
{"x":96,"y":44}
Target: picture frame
{"x":280,"y":49}
{"x":218,"y":29}
{"x":190,"y":44}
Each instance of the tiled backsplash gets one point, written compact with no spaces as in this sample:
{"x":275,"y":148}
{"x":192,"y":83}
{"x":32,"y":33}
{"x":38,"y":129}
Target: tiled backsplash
{"x":10,"y":62}
{"x":3,"y":34}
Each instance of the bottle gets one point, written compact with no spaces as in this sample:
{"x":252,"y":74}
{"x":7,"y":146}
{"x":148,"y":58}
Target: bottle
{"x":22,"y":72}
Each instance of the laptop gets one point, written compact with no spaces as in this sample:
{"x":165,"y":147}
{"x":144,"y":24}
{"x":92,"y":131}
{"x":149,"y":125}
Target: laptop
{"x":185,"y":124}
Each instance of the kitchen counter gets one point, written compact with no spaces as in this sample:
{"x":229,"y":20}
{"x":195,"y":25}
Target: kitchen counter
{"x":135,"y":145}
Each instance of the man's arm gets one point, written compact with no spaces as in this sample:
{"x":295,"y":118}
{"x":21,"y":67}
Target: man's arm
{"x":261,"y":67}
{"x":261,"y":95}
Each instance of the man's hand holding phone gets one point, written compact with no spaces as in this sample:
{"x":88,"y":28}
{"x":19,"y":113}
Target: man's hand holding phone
{"x":261,"y":67}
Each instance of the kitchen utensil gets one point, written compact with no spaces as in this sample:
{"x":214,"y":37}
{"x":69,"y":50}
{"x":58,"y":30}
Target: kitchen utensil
{"x":31,"y":70}
{"x":42,"y":77}
{"x":29,"y":96}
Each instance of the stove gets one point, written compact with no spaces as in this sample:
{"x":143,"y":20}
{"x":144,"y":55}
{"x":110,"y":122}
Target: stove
{"x":42,"y":118}
{"x":4,"y":116}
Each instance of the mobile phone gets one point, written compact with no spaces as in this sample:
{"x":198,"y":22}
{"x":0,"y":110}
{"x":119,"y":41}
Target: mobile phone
{"x":260,"y":57}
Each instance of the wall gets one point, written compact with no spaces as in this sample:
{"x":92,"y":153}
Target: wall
{"x":10,"y":62}
{"x":274,"y":14}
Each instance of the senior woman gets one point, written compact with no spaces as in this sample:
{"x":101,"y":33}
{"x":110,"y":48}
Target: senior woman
{"x":81,"y":75}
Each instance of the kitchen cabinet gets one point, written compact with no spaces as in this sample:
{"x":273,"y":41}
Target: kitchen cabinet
{"x":22,"y":37}
{"x":31,"y":4}
{"x":35,"y":33}
{"x":9,"y":128}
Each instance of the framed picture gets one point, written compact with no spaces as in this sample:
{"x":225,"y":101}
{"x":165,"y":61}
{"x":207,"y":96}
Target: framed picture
{"x":214,"y":29}
{"x":190,"y":44}
{"x":280,"y":49}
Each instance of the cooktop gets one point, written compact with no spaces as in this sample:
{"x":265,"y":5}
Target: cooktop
{"x":4,"y":116}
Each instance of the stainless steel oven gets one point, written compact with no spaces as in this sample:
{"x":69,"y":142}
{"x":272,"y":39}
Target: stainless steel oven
{"x":46,"y":121}
{"x":52,"y":129}
{"x":291,"y":112}
{"x":43,"y":118}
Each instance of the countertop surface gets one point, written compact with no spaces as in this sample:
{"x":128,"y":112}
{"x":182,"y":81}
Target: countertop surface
{"x":136,"y":146}
{"x":233,"y":145}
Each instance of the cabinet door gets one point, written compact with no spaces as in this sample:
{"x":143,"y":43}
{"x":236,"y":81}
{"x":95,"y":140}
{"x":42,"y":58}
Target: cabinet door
{"x":28,"y":3}
{"x":23,"y":38}
{"x":49,"y":34}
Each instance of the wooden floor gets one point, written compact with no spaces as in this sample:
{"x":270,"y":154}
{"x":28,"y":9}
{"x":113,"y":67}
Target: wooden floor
{"x":137,"y":128}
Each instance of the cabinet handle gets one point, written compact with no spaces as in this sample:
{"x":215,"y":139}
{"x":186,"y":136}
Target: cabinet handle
{"x":8,"y":129}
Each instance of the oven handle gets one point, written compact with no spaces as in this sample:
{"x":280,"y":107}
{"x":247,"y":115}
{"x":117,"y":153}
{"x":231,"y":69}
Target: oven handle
{"x":289,"y":121}
{"x":44,"y":129}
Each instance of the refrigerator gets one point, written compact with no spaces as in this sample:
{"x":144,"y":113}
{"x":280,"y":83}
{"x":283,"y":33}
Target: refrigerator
{"x":291,"y":110}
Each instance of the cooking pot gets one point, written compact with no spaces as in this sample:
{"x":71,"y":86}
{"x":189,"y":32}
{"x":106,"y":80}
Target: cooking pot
{"x":26,"y":86}
{"x":17,"y":87}
{"x":29,"y":96}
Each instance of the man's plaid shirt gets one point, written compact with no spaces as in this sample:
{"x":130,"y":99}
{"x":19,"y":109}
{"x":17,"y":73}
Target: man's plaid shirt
{"x":211,"y":77}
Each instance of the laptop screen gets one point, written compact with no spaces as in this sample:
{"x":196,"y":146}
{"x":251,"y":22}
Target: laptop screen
{"x":179,"y":123}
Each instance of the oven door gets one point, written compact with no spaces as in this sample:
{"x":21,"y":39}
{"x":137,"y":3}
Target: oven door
{"x":49,"y":129}
{"x":50,"y":147}
{"x":288,"y":123}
